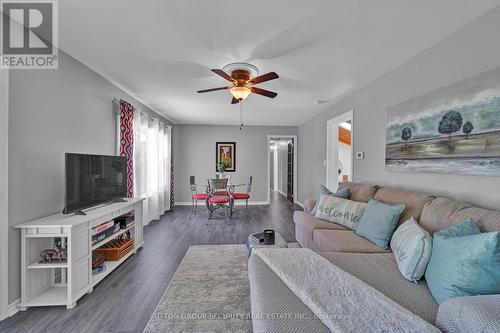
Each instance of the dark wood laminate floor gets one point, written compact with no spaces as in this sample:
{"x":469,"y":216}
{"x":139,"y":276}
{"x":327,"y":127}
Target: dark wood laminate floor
{"x":124,"y":300}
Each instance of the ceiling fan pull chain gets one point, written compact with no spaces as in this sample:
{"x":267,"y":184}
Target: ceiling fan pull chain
{"x":241,"y":115}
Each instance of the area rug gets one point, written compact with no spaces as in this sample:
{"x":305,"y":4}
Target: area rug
{"x":208,"y":293}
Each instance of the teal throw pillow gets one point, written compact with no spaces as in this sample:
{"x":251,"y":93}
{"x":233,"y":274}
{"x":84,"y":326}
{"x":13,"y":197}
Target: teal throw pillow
{"x":464,"y":262}
{"x":379,"y":222}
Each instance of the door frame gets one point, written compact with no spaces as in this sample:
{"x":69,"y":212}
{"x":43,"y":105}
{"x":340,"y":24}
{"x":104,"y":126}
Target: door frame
{"x":295,"y":144}
{"x":4,"y":188}
{"x":275,"y":170}
{"x":332,"y":138}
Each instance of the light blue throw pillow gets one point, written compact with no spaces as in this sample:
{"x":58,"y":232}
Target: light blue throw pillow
{"x":323,"y":190}
{"x":464,"y":262}
{"x":412,"y":248}
{"x":379,"y":222}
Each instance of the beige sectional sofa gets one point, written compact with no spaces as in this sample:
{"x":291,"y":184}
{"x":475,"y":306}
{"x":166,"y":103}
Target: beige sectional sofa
{"x":377,"y":267}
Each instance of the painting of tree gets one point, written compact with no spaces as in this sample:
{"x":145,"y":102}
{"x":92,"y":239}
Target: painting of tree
{"x":406,"y":135}
{"x":467,"y":128}
{"x":450,"y":123}
{"x":452,"y":130}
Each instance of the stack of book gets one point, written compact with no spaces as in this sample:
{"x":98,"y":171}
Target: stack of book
{"x":104,"y":230}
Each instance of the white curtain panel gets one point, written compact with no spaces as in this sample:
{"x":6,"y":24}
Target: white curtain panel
{"x":152,"y":165}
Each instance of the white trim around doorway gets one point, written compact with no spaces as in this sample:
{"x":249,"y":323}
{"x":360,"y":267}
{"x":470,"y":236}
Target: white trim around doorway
{"x":332,"y":135}
{"x":295,"y":171}
{"x":4,"y":189}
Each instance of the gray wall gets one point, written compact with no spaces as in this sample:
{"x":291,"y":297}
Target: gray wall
{"x":194,"y":155}
{"x":468,"y":52}
{"x":53,"y":112}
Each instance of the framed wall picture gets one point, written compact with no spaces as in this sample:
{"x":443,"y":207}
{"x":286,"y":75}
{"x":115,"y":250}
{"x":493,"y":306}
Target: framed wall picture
{"x":225,"y":151}
{"x":453,"y":130}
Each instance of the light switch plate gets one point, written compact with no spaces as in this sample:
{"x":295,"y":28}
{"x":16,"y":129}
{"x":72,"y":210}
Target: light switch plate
{"x":360,"y":155}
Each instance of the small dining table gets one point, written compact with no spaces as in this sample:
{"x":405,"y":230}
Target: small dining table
{"x":228,"y":185}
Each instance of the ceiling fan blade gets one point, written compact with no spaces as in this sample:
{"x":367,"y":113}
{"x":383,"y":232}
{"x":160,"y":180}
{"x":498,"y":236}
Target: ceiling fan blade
{"x":263,"y":78}
{"x":213,"y":89}
{"x":223,"y":74}
{"x":235,"y":101}
{"x":263,"y":92}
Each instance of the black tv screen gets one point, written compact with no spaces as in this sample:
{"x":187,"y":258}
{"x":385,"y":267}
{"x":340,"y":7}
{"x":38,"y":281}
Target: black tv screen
{"x":94,"y":179}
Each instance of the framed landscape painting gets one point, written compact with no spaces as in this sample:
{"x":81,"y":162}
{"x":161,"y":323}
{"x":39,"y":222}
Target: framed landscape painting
{"x":226,"y":151}
{"x":454,"y":130}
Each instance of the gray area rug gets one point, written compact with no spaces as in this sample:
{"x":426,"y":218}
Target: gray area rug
{"x":208,"y":293}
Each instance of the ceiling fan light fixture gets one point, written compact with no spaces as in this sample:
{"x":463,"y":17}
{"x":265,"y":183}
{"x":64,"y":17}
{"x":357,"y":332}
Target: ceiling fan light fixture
{"x":240,"y":93}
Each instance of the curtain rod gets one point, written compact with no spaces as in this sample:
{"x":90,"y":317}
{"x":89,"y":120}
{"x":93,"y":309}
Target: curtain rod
{"x":117,"y":100}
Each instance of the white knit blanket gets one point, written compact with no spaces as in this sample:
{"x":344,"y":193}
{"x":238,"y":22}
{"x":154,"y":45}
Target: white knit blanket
{"x":341,"y":301}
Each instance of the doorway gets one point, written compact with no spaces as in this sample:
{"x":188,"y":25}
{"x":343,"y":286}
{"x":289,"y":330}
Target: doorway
{"x":339,"y":153}
{"x":4,"y":226}
{"x":282,"y":164}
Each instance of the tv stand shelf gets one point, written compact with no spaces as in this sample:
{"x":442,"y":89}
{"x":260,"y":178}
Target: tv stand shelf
{"x":113,"y":236}
{"x":55,"y":284}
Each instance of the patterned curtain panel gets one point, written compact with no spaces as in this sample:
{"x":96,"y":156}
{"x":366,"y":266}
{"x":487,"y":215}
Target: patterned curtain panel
{"x":127,"y":142}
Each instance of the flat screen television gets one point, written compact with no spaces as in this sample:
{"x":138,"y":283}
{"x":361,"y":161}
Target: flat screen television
{"x":92,"y":180}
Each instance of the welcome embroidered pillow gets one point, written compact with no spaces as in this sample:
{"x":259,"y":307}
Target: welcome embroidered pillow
{"x":341,"y":211}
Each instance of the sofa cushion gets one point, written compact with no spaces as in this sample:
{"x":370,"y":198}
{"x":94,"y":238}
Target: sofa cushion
{"x":343,"y":241}
{"x":379,"y":222}
{"x":323,"y":190}
{"x":341,"y":211}
{"x":437,"y":213}
{"x":270,"y":295}
{"x":486,"y":220}
{"x":305,"y":223}
{"x":380,"y":271}
{"x":360,"y":192}
{"x":470,"y":314}
{"x":464,"y":262}
{"x":413,"y":201}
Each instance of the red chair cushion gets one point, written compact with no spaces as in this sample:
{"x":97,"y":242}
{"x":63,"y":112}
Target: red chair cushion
{"x":219,"y":199}
{"x":200,"y":196}
{"x":239,"y":196}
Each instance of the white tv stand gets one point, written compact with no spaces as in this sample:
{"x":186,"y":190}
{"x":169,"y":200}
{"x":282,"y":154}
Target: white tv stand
{"x":64,"y":283}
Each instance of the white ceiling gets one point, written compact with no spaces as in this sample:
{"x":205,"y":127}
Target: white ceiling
{"x":162,"y":51}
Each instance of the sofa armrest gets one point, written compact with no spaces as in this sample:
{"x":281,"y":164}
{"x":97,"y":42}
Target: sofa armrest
{"x":470,"y":314}
{"x":309,"y":205}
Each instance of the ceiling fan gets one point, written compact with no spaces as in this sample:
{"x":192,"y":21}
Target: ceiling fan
{"x":243,"y":78}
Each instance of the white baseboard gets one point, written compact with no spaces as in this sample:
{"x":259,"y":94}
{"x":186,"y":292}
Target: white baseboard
{"x":13,"y":308}
{"x":236,"y":203}
{"x":299,"y":203}
{"x":282,"y":193}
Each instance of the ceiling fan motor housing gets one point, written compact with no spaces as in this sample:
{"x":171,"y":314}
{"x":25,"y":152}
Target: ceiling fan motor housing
{"x":241,"y":75}
{"x":241,"y":71}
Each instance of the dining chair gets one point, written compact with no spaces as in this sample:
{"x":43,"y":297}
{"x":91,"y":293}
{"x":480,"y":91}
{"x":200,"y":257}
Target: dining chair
{"x":243,"y":195}
{"x":218,"y":197}
{"x":195,"y":196}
